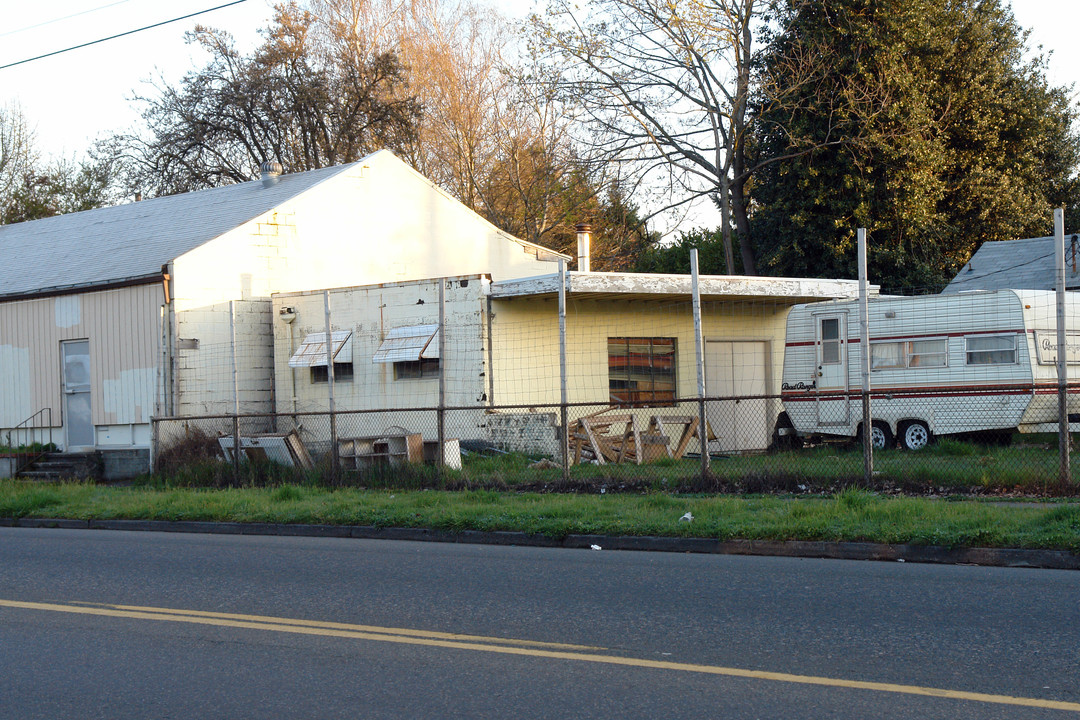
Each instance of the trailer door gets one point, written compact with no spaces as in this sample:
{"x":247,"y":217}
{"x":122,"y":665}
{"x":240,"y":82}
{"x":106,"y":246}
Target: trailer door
{"x":833,"y":407}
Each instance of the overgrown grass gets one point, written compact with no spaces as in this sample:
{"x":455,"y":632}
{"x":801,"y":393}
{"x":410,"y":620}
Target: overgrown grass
{"x":947,"y":467}
{"x":852,"y":514}
{"x":27,"y":449}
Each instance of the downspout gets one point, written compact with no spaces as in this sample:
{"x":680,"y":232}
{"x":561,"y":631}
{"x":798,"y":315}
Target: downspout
{"x":490,"y":346}
{"x":168,"y":286}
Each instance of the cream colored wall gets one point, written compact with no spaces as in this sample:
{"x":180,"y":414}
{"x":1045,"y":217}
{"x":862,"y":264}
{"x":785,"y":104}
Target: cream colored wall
{"x":369,"y":313}
{"x":124,"y":332}
{"x":387,"y":223}
{"x":204,"y":375}
{"x":376,"y":224}
{"x":525,"y":339}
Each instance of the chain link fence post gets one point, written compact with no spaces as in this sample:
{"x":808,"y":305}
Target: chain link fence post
{"x":440,"y":455}
{"x":1064,"y":471}
{"x":699,"y":358}
{"x":864,"y":359}
{"x":564,"y":441}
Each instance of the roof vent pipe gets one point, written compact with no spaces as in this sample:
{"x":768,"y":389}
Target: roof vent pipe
{"x":584,"y":239}
{"x":269,"y":172}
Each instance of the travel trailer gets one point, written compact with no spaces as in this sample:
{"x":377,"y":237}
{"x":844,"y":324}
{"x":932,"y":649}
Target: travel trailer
{"x":972,"y":362}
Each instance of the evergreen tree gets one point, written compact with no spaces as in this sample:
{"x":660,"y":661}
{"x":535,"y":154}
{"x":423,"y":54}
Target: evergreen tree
{"x":929,"y":129}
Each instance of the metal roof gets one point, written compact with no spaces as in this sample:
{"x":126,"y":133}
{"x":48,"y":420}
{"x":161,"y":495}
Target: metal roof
{"x":408,"y":344}
{"x":1026,"y":264}
{"x":626,"y":286}
{"x":129,"y":242}
{"x":312,"y":352}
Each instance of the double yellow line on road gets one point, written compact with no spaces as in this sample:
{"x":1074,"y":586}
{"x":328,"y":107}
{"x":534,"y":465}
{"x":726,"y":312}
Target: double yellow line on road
{"x":507,"y":646}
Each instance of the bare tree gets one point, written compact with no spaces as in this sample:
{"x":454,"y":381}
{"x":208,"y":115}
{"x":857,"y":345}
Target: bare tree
{"x":666,"y":84}
{"x":18,"y":155}
{"x":308,"y":104}
{"x":494,"y":131}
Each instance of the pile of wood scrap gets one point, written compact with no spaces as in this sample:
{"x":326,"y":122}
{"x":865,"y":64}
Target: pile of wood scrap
{"x":615,"y":437}
{"x":281,"y":448}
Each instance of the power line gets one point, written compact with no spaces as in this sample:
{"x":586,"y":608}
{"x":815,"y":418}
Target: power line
{"x":120,"y":35}
{"x":60,"y":19}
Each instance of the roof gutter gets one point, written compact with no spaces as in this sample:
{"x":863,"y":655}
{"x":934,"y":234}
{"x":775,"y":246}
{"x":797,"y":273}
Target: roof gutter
{"x":133,"y":281}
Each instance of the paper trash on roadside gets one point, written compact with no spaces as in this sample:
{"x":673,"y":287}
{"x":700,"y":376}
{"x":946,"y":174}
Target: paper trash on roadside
{"x":596,"y":547}
{"x":686,"y":518}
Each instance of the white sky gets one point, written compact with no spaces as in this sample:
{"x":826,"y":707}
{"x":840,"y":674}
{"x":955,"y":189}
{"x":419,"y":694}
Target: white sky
{"x":75,"y":97}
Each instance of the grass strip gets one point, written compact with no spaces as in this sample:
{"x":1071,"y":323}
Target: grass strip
{"x":851,"y":515}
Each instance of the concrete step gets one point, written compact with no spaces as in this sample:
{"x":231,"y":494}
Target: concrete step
{"x":64,"y":466}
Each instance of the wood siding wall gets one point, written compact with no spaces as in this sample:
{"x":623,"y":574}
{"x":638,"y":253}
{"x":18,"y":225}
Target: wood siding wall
{"x":124,"y":330}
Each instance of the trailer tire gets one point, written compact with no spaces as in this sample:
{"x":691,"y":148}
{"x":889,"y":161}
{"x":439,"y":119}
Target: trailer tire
{"x":881,"y":436}
{"x":915,"y":435}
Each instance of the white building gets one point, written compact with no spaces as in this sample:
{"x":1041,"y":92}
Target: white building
{"x":111,"y":316}
{"x":630,"y":342}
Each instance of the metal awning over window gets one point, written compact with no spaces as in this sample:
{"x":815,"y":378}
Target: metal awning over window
{"x":409,"y":344}
{"x":312,"y":352}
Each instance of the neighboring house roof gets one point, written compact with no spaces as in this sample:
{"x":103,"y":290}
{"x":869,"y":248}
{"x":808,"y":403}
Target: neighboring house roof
{"x":629,"y":285}
{"x":1026,"y":264}
{"x":130,"y":242}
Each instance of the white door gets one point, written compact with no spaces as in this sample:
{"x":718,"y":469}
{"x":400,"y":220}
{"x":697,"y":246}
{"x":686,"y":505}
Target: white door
{"x":78,"y":420}
{"x":737,"y":369}
{"x":832,"y":371}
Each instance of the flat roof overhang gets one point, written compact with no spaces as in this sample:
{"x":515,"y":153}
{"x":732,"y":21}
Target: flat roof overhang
{"x":645,"y":286}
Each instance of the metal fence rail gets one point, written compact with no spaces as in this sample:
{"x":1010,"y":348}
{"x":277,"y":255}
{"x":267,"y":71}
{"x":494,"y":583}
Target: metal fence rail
{"x":747,"y":444}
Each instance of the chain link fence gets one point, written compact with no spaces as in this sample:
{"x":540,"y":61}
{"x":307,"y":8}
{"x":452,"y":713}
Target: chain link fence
{"x":597,"y":448}
{"x":629,"y":384}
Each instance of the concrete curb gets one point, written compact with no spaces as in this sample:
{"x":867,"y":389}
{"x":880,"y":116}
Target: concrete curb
{"x":994,"y":557}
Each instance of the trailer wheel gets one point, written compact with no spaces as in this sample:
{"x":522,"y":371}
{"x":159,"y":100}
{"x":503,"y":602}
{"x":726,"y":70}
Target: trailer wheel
{"x":915,"y":435}
{"x":880,"y":435}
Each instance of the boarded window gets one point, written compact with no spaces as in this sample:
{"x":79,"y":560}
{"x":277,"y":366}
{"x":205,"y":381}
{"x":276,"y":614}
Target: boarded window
{"x":312,"y":354}
{"x":343,"y":372}
{"x":641,"y":371}
{"x":410,"y":370}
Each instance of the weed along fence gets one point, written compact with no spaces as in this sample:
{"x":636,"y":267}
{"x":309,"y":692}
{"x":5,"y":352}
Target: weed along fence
{"x":593,"y":383}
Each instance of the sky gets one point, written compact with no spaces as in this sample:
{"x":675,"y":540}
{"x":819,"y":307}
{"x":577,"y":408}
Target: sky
{"x":73,"y":98}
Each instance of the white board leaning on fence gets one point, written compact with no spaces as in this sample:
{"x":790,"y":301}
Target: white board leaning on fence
{"x":970,"y":362}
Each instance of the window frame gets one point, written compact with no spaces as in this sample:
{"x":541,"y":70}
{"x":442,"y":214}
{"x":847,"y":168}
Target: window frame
{"x":907,"y":354}
{"x":629,"y":393}
{"x":343,"y":372}
{"x":968,"y":352}
{"x":402,"y":367}
{"x":832,"y":343}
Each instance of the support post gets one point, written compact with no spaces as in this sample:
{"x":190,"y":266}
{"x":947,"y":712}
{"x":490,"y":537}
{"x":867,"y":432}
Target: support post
{"x":699,"y":357}
{"x":563,"y":394}
{"x":1064,"y":473}
{"x":864,"y":357}
{"x":236,"y":395}
{"x":440,"y":460}
{"x":330,"y":390}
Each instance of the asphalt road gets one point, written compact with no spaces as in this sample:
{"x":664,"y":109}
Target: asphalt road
{"x":98,"y":624}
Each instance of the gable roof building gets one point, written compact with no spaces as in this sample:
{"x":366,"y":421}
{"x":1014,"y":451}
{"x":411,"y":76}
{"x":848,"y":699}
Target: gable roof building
{"x":1026,"y":264}
{"x":111,"y":316}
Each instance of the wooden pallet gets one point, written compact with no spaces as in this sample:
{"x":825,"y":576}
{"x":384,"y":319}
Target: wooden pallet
{"x":606,"y":437}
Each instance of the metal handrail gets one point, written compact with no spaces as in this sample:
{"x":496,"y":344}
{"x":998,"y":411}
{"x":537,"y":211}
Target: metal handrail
{"x":40,"y":420}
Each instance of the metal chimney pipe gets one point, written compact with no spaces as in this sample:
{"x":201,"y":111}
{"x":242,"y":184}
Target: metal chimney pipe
{"x":584,"y":239}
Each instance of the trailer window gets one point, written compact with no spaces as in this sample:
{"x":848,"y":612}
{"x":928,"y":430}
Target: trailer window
{"x":994,"y":350}
{"x":908,"y":354}
{"x":830,"y":341}
{"x":886,"y":355}
{"x":641,"y":371}
{"x":927,"y":353}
